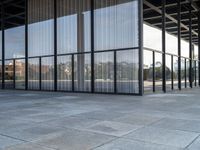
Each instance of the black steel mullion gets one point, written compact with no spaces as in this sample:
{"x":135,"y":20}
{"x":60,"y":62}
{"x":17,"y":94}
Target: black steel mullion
{"x":172,"y":72}
{"x":179,"y":43}
{"x":164,"y":45}
{"x":55,"y":45}
{"x":92,"y":46}
{"x":154,"y":89}
{"x":26,"y":44}
{"x":72,"y":63}
{"x":190,"y":44}
{"x":14,"y":73}
{"x":40,"y":73}
{"x":3,"y":46}
{"x":115,"y":72}
{"x":185,"y":73}
{"x":199,"y":44}
{"x":195,"y":71}
{"x":140,"y":23}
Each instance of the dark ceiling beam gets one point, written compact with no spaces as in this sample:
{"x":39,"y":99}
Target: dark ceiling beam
{"x":170,"y":5}
{"x":171,"y":14}
{"x":167,"y":16}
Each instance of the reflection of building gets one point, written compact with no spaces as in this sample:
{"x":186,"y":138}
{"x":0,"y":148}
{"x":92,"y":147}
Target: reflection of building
{"x":99,"y":45}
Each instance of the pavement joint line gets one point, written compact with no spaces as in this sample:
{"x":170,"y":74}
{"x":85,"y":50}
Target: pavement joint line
{"x":192,"y":142}
{"x":110,"y":141}
{"x":13,"y":138}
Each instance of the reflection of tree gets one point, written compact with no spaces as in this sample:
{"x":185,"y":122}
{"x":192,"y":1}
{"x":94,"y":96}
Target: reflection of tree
{"x":148,"y":72}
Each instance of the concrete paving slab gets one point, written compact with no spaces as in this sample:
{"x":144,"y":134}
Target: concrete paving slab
{"x":27,"y":146}
{"x":137,"y":119}
{"x":8,"y":141}
{"x":126,"y":144}
{"x":195,"y":145}
{"x":175,"y":138}
{"x":112,"y":128}
{"x":178,"y":124}
{"x":74,"y":140}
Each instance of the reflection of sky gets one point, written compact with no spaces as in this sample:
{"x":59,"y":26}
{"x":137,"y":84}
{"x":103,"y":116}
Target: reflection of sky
{"x":153,"y":39}
{"x":115,"y":27}
{"x":15,"y":42}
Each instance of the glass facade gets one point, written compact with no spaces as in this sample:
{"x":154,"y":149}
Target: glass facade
{"x":72,"y":45}
{"x":91,"y":46}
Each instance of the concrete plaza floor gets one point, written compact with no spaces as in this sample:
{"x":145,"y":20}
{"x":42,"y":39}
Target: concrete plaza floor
{"x":65,"y":121}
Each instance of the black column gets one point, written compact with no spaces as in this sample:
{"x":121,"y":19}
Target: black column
{"x":179,"y":43}
{"x":190,"y":44}
{"x":199,"y":43}
{"x":92,"y":46}
{"x":55,"y":45}
{"x":3,"y":46}
{"x":26,"y":44}
{"x":163,"y":45}
{"x":141,"y":83}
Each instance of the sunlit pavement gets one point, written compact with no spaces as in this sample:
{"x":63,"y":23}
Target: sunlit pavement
{"x":65,"y":121}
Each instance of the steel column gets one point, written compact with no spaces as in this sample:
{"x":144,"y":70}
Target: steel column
{"x":14,"y":73}
{"x":179,"y":43}
{"x":154,"y":89}
{"x":92,"y":46}
{"x":140,"y":15}
{"x":164,"y":44}
{"x":190,"y":44}
{"x":3,"y":46}
{"x":55,"y":45}
{"x":199,"y":44}
{"x":26,"y":44}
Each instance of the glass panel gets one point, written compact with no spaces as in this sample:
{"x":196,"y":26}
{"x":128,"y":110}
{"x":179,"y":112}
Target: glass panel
{"x":183,"y":72}
{"x":14,"y":31}
{"x":15,"y":42}
{"x":175,"y":73}
{"x":0,"y":74}
{"x":73,"y":26}
{"x":148,"y":71}
{"x":197,"y":73}
{"x":82,"y":72}
{"x":20,"y":74}
{"x":47,"y":73}
{"x":158,"y":71}
{"x":168,"y":70}
{"x":64,"y":72}
{"x":33,"y":74}
{"x":127,"y":71}
{"x":41,"y":27}
{"x":9,"y":74}
{"x":187,"y":72}
{"x":115,"y":24}
{"x":104,"y":72}
{"x":193,"y":72}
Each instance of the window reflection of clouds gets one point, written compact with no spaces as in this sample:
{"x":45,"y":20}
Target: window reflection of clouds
{"x":116,"y":26}
{"x":15,"y":42}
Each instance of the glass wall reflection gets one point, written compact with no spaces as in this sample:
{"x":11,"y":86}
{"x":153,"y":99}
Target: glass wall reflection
{"x":104,"y":72}
{"x":33,"y":74}
{"x":9,"y":74}
{"x":127,"y":71}
{"x":41,"y":27}
{"x":82,"y":72}
{"x":47,"y":73}
{"x":148,"y":71}
{"x":73,"y":26}
{"x":168,"y":71}
{"x":64,"y":73}
{"x":20,"y":73}
{"x":158,"y":71}
{"x":115,"y":24}
{"x":175,"y":71}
